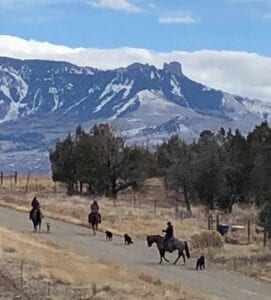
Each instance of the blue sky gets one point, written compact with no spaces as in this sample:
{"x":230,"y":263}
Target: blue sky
{"x":161,"y":25}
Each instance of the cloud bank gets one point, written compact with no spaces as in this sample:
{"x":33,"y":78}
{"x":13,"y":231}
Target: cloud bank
{"x":185,"y":19}
{"x":115,"y":4}
{"x":240,"y":73}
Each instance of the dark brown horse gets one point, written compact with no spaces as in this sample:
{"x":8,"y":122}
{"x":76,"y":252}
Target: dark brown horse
{"x":94,"y":219}
{"x":172,"y":245}
{"x":36,"y":217}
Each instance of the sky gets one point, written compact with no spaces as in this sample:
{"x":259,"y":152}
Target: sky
{"x":225,"y":44}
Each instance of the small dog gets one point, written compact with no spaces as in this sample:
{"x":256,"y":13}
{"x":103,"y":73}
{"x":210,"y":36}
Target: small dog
{"x":108,"y":235}
{"x":48,"y":226}
{"x":127,"y":239}
{"x":200,"y":263}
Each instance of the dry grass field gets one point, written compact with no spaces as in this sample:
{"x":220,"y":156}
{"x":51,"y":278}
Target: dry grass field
{"x":48,"y":273}
{"x":147,"y":212}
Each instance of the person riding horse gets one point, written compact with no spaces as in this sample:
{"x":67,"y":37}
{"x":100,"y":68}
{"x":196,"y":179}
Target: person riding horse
{"x":94,"y":218}
{"x":35,"y":203}
{"x":35,"y":214}
{"x":94,"y":209}
{"x":169,"y":234}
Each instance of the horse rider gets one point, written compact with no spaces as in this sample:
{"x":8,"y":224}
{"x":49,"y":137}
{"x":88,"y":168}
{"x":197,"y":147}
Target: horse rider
{"x":35,"y":203}
{"x":94,"y":207}
{"x":169,"y":233}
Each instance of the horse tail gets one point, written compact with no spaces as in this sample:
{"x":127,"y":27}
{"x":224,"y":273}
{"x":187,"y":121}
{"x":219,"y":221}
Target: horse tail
{"x":186,"y":250}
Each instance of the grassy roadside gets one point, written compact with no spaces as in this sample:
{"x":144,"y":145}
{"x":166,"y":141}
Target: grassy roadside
{"x":137,"y":215}
{"x":45,"y":263}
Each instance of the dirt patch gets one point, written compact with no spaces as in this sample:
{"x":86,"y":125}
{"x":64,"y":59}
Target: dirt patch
{"x":9,"y":289}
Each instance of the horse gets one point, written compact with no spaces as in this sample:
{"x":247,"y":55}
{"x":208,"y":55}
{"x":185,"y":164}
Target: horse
{"x":173,"y":245}
{"x":36,"y":217}
{"x":94,"y":218}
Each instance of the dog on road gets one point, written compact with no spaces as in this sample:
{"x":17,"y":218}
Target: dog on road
{"x":108,"y":235}
{"x":127,"y":239}
{"x":200,"y":263}
{"x":48,"y":226}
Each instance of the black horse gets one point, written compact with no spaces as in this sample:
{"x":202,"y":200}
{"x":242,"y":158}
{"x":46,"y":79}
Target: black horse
{"x":36,"y":217}
{"x":94,"y":219}
{"x":172,"y":245}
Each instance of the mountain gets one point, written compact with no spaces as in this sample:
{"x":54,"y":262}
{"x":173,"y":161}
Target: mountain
{"x":41,"y":101}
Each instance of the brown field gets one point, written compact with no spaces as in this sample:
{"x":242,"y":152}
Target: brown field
{"x":147,"y":212}
{"x":48,"y":273}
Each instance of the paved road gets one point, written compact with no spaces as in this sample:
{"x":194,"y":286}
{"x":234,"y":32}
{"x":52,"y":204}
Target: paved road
{"x":227,"y":285}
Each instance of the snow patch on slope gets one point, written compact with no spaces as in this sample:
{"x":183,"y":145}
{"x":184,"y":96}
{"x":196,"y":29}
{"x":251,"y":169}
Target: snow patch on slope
{"x":111,"y":90}
{"x":11,"y":79}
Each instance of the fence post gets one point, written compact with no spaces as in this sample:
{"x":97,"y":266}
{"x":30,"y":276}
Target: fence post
{"x":210,"y":222}
{"x":217,"y":222}
{"x":248,"y":231}
{"x":27,"y":182}
{"x":10,"y":180}
{"x":2,"y":177}
{"x":21,"y":269}
{"x":48,"y":288}
{"x":15,"y":177}
{"x":177,"y":210}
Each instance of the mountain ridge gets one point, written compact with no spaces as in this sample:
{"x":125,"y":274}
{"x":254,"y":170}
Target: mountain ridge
{"x":46,"y":99}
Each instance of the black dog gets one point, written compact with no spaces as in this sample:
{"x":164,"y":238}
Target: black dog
{"x":127,"y":239}
{"x":109,"y":235}
{"x":200,"y":263}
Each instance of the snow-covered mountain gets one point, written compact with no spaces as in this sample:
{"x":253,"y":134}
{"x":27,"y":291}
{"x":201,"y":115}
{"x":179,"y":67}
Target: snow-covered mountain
{"x":43,"y":100}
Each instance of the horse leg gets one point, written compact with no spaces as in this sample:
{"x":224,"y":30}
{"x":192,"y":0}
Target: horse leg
{"x":40,"y":226}
{"x":161,"y":257}
{"x":179,"y":255}
{"x":165,"y":257}
{"x":93,"y":228}
{"x":183,"y":258}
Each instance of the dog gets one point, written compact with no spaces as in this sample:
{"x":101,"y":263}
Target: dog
{"x":108,"y":235}
{"x":127,"y":239}
{"x":200,"y":263}
{"x":48,"y":226}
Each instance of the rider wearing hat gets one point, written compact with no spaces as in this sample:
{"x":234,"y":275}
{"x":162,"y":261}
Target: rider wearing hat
{"x":94,"y":207}
{"x":169,"y":233}
{"x":35,"y":203}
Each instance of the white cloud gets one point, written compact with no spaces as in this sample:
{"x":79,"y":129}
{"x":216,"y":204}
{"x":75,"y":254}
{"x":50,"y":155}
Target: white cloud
{"x":242,"y":73}
{"x":186,"y":19}
{"x":125,"y":5}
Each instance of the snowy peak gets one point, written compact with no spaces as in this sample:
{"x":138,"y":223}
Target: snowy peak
{"x":138,"y":94}
{"x":173,"y":67}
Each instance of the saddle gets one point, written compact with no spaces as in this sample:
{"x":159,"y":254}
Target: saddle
{"x":167,"y":244}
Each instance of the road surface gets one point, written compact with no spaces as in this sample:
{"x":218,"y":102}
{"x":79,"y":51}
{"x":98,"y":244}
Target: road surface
{"x":227,"y":285}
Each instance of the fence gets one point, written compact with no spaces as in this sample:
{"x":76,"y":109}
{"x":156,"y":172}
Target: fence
{"x":235,"y":227}
{"x":11,"y":178}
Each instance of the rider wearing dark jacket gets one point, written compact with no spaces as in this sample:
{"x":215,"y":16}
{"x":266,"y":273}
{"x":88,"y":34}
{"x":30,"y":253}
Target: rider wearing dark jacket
{"x":35,"y":203}
{"x":94,"y":207}
{"x":169,"y":233}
